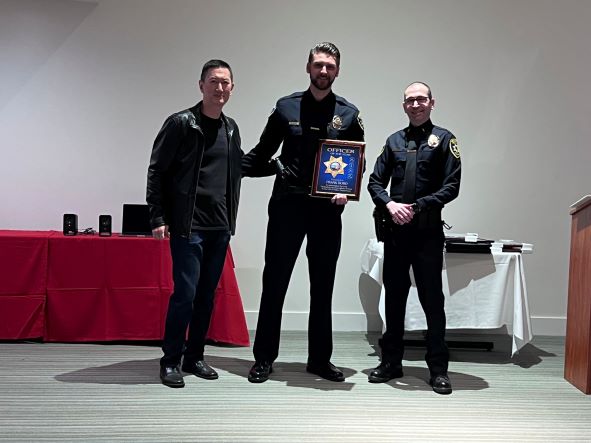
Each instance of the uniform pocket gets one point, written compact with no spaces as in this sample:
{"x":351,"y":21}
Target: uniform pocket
{"x":426,"y":160}
{"x":399,"y":164}
{"x":295,"y":130}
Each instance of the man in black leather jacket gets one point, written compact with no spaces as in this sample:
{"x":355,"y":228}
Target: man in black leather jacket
{"x":298,"y":122}
{"x":192,"y":193}
{"x":422,"y":164}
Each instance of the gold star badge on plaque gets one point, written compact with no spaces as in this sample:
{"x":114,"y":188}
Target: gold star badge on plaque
{"x":335,"y":166}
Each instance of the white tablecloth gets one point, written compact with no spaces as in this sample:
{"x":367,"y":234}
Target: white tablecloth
{"x":482,"y":291}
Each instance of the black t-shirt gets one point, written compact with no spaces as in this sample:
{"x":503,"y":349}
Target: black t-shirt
{"x":210,"y":202}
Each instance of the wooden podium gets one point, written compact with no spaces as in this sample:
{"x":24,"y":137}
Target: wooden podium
{"x":577,"y":359}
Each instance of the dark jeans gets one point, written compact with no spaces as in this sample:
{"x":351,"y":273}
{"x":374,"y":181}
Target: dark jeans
{"x":290,"y":220}
{"x":197,"y":264}
{"x":423,"y":250}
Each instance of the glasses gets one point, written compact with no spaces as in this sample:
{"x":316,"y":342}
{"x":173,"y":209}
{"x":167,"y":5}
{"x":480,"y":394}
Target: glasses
{"x":420,"y":100}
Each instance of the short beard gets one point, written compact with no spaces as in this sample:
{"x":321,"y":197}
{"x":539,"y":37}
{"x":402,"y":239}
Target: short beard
{"x":319,"y":87}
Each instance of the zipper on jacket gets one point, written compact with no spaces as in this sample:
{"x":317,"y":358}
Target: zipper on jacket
{"x":192,"y":212}
{"x":230,"y":198}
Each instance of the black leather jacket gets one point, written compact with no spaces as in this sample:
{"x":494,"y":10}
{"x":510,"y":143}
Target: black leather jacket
{"x":174,"y":171}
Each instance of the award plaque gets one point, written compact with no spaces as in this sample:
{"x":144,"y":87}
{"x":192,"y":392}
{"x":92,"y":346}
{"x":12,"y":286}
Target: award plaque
{"x":338,"y":169}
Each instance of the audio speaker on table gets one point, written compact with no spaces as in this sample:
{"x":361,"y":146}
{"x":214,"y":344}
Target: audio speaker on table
{"x":70,"y":224}
{"x":105,"y":225}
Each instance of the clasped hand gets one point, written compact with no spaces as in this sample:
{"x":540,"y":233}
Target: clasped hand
{"x":401,"y":213}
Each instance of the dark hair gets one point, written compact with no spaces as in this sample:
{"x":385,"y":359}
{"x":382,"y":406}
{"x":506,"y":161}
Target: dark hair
{"x":326,"y":48}
{"x":214,"y":64}
{"x":424,"y":84}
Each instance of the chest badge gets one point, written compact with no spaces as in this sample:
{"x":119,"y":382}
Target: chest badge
{"x":337,"y":122}
{"x":433,"y":141}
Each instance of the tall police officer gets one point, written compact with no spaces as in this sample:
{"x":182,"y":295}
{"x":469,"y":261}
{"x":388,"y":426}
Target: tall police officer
{"x":422,"y":164}
{"x":299,"y":121}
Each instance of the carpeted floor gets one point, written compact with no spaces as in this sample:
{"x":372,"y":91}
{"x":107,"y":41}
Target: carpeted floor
{"x":111,"y":392}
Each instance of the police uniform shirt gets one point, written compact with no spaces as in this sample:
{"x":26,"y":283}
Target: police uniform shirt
{"x":299,"y":122}
{"x":314,"y":119}
{"x":438,"y":167}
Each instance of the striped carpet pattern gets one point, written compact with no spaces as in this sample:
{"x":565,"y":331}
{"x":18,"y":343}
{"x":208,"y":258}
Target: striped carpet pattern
{"x":111,"y":392}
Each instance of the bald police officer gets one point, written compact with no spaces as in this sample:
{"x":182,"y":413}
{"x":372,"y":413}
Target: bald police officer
{"x":422,"y":165}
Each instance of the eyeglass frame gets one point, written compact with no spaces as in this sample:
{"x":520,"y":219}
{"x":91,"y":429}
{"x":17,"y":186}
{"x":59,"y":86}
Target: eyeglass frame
{"x":421,"y":100}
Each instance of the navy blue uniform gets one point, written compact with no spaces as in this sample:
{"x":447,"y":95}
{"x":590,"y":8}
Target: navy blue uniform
{"x":419,"y":243}
{"x":297,"y":123}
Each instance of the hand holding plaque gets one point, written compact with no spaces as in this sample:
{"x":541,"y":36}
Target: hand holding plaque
{"x":338,"y":169}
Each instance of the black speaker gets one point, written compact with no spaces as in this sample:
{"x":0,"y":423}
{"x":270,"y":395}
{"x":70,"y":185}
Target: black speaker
{"x":70,"y":224}
{"x":105,"y":223}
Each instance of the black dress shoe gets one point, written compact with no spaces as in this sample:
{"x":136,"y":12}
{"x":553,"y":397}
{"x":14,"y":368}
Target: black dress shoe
{"x":441,"y":384}
{"x":171,"y":377}
{"x":200,"y":369}
{"x":327,"y":371}
{"x":385,"y":372}
{"x":260,"y":371}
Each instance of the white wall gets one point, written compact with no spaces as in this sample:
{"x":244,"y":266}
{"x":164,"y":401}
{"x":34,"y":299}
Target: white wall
{"x":85,"y":86}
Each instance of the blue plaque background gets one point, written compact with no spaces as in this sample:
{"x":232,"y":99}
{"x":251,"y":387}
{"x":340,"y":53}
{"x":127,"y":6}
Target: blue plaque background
{"x":347,"y":182}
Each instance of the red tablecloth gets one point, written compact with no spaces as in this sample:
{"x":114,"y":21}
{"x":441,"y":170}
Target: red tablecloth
{"x":23,"y":271}
{"x":92,"y":288}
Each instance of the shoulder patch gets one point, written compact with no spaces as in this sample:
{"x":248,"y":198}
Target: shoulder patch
{"x":360,"y":121}
{"x":453,"y":147}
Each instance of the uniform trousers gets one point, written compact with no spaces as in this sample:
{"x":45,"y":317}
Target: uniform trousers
{"x":197,"y":265}
{"x":291,"y":218}
{"x":407,"y":246}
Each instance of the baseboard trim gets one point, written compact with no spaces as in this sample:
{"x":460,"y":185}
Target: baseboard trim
{"x":352,"y":321}
{"x":555,"y":326}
